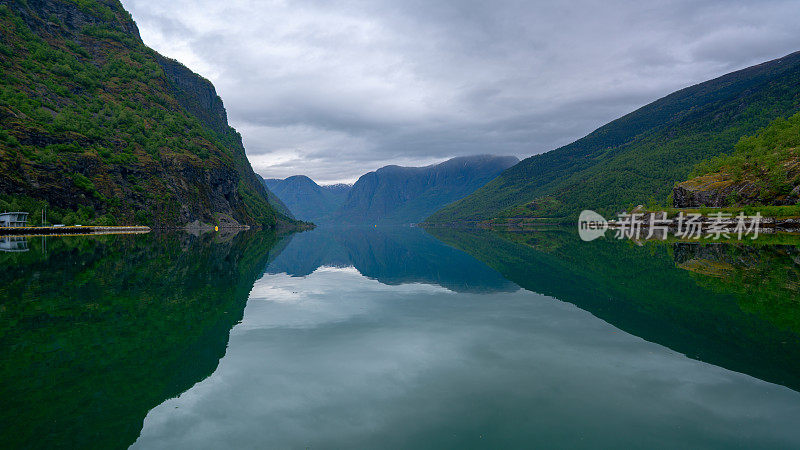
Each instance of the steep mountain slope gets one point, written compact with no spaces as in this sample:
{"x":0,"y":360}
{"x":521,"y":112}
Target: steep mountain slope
{"x":397,"y":195}
{"x":306,"y":199}
{"x":641,"y":155}
{"x":100,"y":128}
{"x":763,"y":169}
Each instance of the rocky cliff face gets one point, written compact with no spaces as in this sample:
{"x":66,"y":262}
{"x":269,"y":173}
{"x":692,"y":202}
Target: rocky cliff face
{"x":96,"y":125}
{"x":715,"y":190}
{"x":719,"y":190}
{"x":196,"y":94}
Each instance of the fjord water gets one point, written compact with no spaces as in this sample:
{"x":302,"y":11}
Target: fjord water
{"x":398,"y":338}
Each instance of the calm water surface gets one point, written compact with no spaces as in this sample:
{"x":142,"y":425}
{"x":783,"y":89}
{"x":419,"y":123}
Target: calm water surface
{"x":399,"y":339}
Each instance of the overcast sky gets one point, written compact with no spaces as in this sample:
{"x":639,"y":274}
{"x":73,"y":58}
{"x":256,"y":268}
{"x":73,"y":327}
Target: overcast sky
{"x":333,"y":89}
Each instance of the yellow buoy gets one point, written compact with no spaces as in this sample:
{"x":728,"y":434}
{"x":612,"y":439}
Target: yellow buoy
{"x":216,"y":228}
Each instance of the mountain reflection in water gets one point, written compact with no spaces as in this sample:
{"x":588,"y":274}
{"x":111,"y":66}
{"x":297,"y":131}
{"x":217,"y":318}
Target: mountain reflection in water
{"x":397,"y":338}
{"x":733,"y":305}
{"x":392,"y":256}
{"x":95,"y":331}
{"x":370,"y":339}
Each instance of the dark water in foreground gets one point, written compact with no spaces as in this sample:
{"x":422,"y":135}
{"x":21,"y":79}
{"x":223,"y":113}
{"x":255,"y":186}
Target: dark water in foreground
{"x":398,"y":339}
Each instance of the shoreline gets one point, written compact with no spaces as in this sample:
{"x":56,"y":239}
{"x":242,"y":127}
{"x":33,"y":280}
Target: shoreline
{"x":790,"y":225}
{"x":72,"y":230}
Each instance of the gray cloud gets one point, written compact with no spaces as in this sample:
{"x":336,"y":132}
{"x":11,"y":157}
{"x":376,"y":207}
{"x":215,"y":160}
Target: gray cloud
{"x":333,"y":89}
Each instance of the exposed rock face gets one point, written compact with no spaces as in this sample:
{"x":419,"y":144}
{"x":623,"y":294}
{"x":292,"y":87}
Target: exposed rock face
{"x":714,"y":190}
{"x":719,"y":190}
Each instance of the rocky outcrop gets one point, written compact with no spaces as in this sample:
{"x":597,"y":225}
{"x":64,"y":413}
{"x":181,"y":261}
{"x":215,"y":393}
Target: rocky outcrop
{"x":714,"y":190}
{"x":720,"y":190}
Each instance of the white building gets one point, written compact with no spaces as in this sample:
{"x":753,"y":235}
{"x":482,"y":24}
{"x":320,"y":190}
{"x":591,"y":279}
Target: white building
{"x":13,"y":219}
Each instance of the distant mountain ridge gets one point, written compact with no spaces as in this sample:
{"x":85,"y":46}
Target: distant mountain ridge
{"x":306,"y":199}
{"x":642,"y":154}
{"x":402,"y":195}
{"x":391,"y":194}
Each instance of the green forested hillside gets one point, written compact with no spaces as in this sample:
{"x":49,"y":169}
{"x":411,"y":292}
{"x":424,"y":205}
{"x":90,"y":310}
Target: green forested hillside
{"x":99,"y":127}
{"x":642,"y":155}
